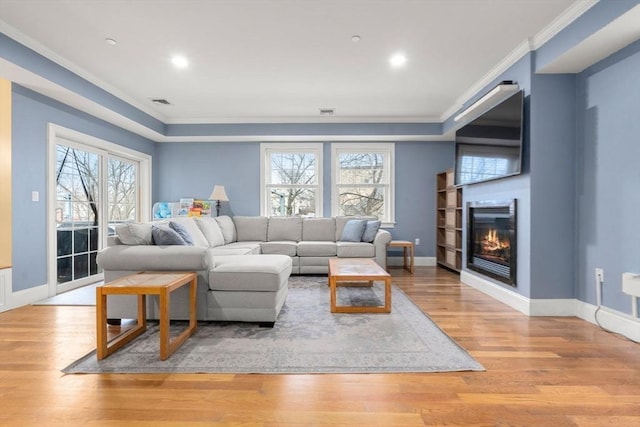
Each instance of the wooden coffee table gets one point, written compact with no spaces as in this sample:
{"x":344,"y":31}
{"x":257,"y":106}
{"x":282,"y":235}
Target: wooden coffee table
{"x":358,"y":270}
{"x":143,"y":284}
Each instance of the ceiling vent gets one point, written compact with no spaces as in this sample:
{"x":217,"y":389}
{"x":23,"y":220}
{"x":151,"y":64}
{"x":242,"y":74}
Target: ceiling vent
{"x":327,"y":111}
{"x":160,"y":101}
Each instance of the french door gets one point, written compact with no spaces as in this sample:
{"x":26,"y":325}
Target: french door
{"x":93,"y":190}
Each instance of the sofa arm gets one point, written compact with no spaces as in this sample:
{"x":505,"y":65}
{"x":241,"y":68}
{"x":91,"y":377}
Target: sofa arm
{"x":151,"y":257}
{"x":380,"y":242}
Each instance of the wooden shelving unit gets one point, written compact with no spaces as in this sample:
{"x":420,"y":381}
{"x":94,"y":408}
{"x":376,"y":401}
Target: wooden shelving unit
{"x":449,"y":222}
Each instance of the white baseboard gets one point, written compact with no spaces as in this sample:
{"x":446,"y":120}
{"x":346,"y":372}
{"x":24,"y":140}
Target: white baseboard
{"x":507,"y":296}
{"x":610,"y":319}
{"x":10,"y":300}
{"x":395,"y":261}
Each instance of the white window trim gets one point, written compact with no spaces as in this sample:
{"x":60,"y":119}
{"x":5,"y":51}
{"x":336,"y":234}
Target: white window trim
{"x":266,"y":148}
{"x":389,"y":164}
{"x":58,"y":134}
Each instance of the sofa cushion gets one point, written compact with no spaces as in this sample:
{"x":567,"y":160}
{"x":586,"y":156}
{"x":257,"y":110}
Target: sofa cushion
{"x":227,"y":227}
{"x":179,"y":228}
{"x":211,"y":230}
{"x":355,"y":250}
{"x":134,"y":233}
{"x":261,"y":273}
{"x":370,"y":231}
{"x":315,"y":249}
{"x":319,"y":229}
{"x":341,"y":221}
{"x":353,"y":230}
{"x":193,"y":230}
{"x":253,"y":247}
{"x":287,"y":228}
{"x":163,"y":235}
{"x":251,"y":228}
{"x":283,"y":247}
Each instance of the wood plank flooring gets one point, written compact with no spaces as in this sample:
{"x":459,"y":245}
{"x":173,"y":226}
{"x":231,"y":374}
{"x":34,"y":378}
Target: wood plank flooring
{"x":544,"y":371}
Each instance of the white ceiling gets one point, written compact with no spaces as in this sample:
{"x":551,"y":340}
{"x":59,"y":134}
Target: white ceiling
{"x":254,"y":61}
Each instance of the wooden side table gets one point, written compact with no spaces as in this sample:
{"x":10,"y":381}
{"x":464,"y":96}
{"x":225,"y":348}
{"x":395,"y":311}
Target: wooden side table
{"x":143,"y":284}
{"x":407,"y":253}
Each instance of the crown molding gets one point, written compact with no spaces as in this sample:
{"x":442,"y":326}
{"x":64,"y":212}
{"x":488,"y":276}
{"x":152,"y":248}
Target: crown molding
{"x":558,"y":24}
{"x":75,"y":69}
{"x":562,"y":21}
{"x":306,"y":119}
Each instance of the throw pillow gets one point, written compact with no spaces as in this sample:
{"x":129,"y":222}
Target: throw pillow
{"x":134,"y":233}
{"x":166,"y":236}
{"x":179,"y":228}
{"x":353,"y":230}
{"x":370,"y":231}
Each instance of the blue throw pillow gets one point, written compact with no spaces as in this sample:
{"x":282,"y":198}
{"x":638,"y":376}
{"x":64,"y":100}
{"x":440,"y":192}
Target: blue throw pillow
{"x":163,"y":235}
{"x":182,"y":231}
{"x":370,"y":231}
{"x":353,"y":230}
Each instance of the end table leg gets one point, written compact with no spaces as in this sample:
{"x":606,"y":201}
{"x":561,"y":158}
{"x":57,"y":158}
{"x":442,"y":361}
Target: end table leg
{"x":164,"y":324}
{"x":101,"y":324}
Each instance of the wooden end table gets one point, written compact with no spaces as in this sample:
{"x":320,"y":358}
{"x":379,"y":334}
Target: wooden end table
{"x":407,"y":253}
{"x":143,"y":284}
{"x":358,"y":270}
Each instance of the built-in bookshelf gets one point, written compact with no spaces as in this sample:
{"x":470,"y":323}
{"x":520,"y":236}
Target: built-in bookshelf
{"x":449,"y":222}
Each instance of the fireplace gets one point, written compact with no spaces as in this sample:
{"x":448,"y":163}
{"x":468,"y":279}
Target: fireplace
{"x":491,"y":239}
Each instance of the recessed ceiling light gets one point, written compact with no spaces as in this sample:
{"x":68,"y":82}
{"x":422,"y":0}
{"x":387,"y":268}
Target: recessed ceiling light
{"x":398,"y":60}
{"x":355,"y":38}
{"x":180,"y":61}
{"x":111,"y":41}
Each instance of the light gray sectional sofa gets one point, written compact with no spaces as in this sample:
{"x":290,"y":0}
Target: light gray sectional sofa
{"x":243,"y":263}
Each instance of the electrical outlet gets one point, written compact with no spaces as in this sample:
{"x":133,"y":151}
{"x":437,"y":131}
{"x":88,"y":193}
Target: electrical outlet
{"x":417,"y":242}
{"x":599,"y":275}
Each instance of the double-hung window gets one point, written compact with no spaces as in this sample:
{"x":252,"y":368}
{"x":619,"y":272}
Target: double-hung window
{"x":291,"y":179}
{"x":362,"y":180}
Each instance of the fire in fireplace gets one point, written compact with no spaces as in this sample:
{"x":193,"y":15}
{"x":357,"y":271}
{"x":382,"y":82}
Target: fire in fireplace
{"x":491,"y":239}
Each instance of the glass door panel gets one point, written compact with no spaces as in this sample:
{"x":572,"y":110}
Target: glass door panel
{"x":77,"y":214}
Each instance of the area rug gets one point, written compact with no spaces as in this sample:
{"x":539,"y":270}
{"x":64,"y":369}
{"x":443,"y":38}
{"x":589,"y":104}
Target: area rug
{"x":306,"y":338}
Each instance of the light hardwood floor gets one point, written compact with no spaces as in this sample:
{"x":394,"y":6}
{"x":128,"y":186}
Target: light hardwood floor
{"x":547,"y":371}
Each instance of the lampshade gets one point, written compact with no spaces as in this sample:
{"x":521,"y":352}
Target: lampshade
{"x":218,"y":193}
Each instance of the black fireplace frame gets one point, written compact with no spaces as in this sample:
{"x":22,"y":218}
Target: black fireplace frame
{"x":511,"y":204}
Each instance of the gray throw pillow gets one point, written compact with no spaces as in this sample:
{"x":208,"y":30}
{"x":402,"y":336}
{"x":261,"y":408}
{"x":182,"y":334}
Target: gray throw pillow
{"x":353,"y":230}
{"x":370,"y":231}
{"x":179,"y":228}
{"x":163,"y":236}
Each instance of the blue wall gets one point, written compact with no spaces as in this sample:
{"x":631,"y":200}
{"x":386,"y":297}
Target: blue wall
{"x":31,"y":114}
{"x":608,"y":175}
{"x":192,"y":169}
{"x":552,"y":173}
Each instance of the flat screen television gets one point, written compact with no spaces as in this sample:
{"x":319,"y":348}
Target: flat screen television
{"x":490,"y":146}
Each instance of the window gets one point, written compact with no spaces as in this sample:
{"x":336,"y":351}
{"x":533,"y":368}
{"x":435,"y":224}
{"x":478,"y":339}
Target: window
{"x":362,"y":180}
{"x":291,"y":180}
{"x":94,"y":186}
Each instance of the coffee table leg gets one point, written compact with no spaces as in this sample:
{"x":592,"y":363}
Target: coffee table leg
{"x":387,"y":295}
{"x":332,"y":284}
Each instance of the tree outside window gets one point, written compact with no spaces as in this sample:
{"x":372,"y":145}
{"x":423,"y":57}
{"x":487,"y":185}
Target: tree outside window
{"x":363,"y":180}
{"x":291,"y":180}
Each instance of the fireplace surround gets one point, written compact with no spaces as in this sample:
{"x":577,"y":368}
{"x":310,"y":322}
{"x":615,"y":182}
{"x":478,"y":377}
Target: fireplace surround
{"x":491,"y":239}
